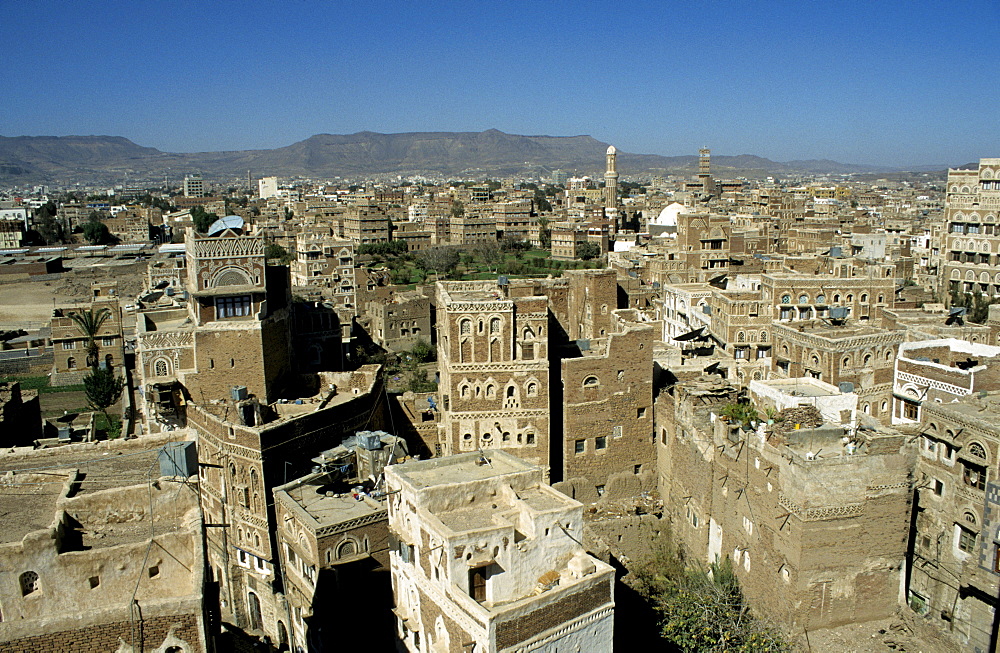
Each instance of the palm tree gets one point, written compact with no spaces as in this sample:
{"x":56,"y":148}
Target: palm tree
{"x":89,"y":323}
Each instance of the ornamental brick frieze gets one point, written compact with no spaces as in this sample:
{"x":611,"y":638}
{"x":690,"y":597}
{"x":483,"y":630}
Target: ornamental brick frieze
{"x":166,"y":340}
{"x":511,"y":367}
{"x":851,"y":343}
{"x":824,"y":513}
{"x":228,"y":247}
{"x":479,"y":307}
{"x":350,"y":524}
{"x":512,"y":413}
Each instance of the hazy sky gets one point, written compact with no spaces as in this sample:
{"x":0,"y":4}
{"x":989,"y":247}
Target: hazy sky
{"x":881,"y":82}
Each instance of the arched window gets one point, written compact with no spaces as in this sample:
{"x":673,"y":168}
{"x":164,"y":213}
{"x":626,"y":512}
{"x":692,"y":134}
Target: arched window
{"x":71,"y":363}
{"x":820,"y":299}
{"x":977,"y":450}
{"x":970,"y":518}
{"x":740,"y":336}
{"x":464,"y":391}
{"x":491,"y":391}
{"x":528,"y":333}
{"x":347,"y":548}
{"x":836,"y":299}
{"x":591,"y":382}
{"x":786,"y":299}
{"x":29,"y":583}
{"x":763,"y":336}
{"x":160,"y":367}
{"x":867,"y":360}
{"x":532,"y":389}
{"x":510,"y":391}
{"x":864,"y":298}
{"x":495,"y":325}
{"x":846,"y":362}
{"x":803,"y":299}
{"x":465,"y":327}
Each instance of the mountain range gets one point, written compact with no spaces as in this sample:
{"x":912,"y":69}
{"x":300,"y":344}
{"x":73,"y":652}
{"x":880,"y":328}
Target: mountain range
{"x":115,"y":159}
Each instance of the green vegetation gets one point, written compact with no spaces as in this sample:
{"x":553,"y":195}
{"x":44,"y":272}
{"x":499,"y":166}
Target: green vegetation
{"x":588,"y":250}
{"x":977,"y":305}
{"x":95,"y":231}
{"x":704,"y":611}
{"x":41,"y":384}
{"x":89,"y":323}
{"x":202,"y":219}
{"x":103,"y":389}
{"x":743,"y":413}
{"x":423,"y":352}
{"x":275,"y":251}
{"x":508,"y":256}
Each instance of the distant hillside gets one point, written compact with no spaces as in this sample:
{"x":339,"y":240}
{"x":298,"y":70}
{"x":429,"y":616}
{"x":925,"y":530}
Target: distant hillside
{"x":112,"y":159}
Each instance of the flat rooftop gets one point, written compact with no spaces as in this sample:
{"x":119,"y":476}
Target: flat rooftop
{"x":460,"y":468}
{"x":330,"y":510}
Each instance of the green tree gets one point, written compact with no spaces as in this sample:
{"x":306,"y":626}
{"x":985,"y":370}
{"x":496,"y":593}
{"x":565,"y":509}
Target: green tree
{"x":103,"y":388}
{"x":457,"y":209}
{"x":89,"y":323}
{"x":489,"y":252}
{"x":423,"y":352}
{"x":420,"y":383}
{"x":704,"y":611}
{"x":544,"y":233}
{"x":96,"y":232}
{"x":588,"y":250}
{"x":441,"y":260}
{"x":202,"y":219}
{"x":273,"y":250}
{"x":47,"y":225}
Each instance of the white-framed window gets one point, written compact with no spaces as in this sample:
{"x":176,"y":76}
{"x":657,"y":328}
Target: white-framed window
{"x":70,"y":344}
{"x":238,"y":306}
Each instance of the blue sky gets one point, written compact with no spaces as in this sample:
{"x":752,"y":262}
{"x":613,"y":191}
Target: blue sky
{"x":880,"y":82}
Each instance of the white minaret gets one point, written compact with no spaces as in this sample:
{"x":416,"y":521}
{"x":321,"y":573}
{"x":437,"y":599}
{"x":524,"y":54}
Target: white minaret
{"x":611,"y":181}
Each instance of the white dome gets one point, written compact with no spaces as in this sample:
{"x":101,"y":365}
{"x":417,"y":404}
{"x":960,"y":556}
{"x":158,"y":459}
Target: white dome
{"x":612,"y":150}
{"x":668,"y":216}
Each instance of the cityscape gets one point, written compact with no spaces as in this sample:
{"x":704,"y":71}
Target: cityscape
{"x":267,"y":387}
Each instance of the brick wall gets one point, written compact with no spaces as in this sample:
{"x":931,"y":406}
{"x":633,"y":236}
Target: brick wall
{"x":103,"y":638}
{"x":518,"y":629}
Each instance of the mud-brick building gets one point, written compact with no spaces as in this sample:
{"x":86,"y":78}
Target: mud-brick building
{"x":953,"y":564}
{"x":245,"y":449}
{"x":107,"y":558}
{"x":940,"y":370}
{"x":816,"y":527}
{"x":494,"y":361}
{"x":334,"y":550}
{"x":854,"y":353}
{"x":487,"y":557}
{"x":69,"y":342}
{"x":607,"y":403}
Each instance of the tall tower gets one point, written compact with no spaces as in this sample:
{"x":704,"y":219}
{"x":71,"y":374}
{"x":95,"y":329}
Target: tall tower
{"x":705,"y":172}
{"x":611,"y":181}
{"x":704,"y":162}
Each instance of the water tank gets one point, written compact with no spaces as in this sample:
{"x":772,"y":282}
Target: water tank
{"x":838,"y":312}
{"x":846,"y":386}
{"x":239,"y":392}
{"x":369,"y":440}
{"x":65,"y":433}
{"x":178,"y":459}
{"x":170,"y":292}
{"x":836,"y":252}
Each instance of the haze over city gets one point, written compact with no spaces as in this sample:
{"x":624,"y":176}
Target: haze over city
{"x":889,"y":84}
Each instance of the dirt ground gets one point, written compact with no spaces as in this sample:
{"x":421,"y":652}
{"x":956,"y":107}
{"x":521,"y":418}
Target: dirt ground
{"x":903,"y":633}
{"x":28,"y":304}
